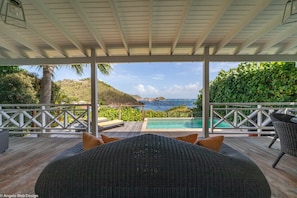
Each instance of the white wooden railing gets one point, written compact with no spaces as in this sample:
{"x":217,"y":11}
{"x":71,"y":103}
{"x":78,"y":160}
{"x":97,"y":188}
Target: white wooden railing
{"x":247,"y":117}
{"x":68,"y":118}
{"x":75,"y":118}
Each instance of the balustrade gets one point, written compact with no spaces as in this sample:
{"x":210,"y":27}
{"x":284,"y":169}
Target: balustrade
{"x":248,"y":116}
{"x":73,"y":118}
{"x":45,"y":118}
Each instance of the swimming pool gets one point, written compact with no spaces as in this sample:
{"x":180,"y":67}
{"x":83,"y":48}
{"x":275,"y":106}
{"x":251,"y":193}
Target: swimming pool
{"x":151,"y":124}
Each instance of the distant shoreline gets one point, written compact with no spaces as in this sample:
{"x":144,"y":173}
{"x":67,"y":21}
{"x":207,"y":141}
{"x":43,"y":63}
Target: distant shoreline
{"x":163,"y":105}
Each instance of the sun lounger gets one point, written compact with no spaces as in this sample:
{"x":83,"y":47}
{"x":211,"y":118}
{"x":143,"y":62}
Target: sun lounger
{"x":102,"y":119}
{"x":110,"y":123}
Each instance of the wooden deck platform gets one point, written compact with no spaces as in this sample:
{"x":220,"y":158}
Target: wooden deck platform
{"x":22,"y":163}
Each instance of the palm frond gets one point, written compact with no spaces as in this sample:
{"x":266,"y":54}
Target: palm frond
{"x":104,"y":68}
{"x":79,"y":68}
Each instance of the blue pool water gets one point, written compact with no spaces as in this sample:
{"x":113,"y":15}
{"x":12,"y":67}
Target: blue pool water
{"x":176,"y":123}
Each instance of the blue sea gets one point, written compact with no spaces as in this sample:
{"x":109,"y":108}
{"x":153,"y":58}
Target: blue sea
{"x":163,"y":105}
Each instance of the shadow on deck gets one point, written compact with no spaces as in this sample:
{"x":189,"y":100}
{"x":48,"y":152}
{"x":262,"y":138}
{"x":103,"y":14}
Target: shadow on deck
{"x":22,"y":163}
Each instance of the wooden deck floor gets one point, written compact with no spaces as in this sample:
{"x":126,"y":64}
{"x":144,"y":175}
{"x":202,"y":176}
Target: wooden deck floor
{"x":21,"y":164}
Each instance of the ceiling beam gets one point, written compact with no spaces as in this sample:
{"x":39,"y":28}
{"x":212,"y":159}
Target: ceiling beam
{"x":92,"y":30}
{"x":20,"y":39}
{"x":156,"y":58}
{"x":119,"y":25}
{"x":254,"y":37}
{"x":47,"y":40}
{"x":286,"y":47}
{"x":181,"y":24}
{"x":224,"y":6}
{"x":56,"y":22}
{"x":285,"y":34}
{"x":258,"y":8}
{"x":12,"y":49}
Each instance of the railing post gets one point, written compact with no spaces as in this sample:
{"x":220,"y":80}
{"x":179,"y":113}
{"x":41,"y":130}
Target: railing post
{"x":43,"y":119}
{"x":259,"y":120}
{"x":65,"y":117}
{"x":235,"y":122}
{"x":21,"y":119}
{"x":211,"y":118}
{"x":88,"y":118}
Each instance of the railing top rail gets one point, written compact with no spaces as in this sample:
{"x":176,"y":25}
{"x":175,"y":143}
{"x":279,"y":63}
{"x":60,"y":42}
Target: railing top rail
{"x":254,"y":103}
{"x":38,"y":105}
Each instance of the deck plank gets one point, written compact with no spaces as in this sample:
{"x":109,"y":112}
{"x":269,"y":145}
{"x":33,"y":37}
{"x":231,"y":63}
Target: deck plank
{"x":283,"y":178}
{"x":22,"y":163}
{"x":25,"y":159}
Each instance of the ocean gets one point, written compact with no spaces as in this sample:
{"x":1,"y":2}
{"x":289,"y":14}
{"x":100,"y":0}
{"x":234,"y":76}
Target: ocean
{"x":162,"y":105}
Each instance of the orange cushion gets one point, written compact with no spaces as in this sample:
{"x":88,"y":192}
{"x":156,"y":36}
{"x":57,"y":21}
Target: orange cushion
{"x":192,"y":138}
{"x":213,"y":143}
{"x":107,"y":139}
{"x":90,"y":141}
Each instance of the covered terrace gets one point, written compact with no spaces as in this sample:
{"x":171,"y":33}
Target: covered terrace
{"x":112,"y":31}
{"x":117,"y":31}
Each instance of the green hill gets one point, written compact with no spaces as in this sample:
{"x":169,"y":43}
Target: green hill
{"x":80,"y":90}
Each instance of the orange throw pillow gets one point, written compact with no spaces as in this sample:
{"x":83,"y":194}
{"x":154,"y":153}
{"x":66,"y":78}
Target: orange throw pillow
{"x":189,"y":138}
{"x":108,"y":139}
{"x":90,"y":141}
{"x":213,"y":143}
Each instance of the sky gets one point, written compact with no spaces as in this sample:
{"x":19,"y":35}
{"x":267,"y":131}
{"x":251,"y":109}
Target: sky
{"x":172,"y":80}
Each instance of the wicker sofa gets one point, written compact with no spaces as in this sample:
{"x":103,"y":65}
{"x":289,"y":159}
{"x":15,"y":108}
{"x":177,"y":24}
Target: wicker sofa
{"x":151,"y":166}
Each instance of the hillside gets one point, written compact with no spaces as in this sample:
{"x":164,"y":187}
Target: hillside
{"x":80,"y":90}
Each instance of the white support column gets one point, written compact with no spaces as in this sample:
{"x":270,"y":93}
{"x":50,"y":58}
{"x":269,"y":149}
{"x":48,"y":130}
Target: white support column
{"x":94,"y":94}
{"x":205,"y":99}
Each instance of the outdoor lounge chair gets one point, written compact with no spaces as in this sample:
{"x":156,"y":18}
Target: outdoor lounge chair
{"x":104,"y":123}
{"x":109,"y":124}
{"x":287,"y":133}
{"x":102,"y":119}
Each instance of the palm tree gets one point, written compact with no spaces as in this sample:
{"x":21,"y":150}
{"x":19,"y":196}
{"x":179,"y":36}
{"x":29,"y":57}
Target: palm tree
{"x":48,"y":73}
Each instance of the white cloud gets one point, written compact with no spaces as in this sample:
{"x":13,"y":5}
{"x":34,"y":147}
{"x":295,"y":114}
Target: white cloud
{"x":192,"y":86}
{"x":152,"y":89}
{"x":146,"y":91}
{"x":190,"y":90}
{"x":158,"y":77}
{"x":140,"y":88}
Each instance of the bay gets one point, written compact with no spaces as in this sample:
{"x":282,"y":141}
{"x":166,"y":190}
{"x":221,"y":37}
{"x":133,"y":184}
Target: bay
{"x":163,"y":105}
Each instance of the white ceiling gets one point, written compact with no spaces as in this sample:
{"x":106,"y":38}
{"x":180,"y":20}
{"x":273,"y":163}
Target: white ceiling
{"x":149,"y":30}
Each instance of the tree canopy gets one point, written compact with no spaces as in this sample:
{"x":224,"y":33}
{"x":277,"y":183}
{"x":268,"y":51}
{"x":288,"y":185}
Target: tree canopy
{"x":4,"y":70}
{"x":48,"y":72}
{"x":256,"y":82}
{"x":17,"y":88}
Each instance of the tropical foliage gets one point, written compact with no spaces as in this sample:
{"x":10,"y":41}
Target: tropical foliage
{"x":255,"y":82}
{"x":135,"y":114}
{"x":17,"y":88}
{"x":4,"y":70}
{"x":48,"y":73}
